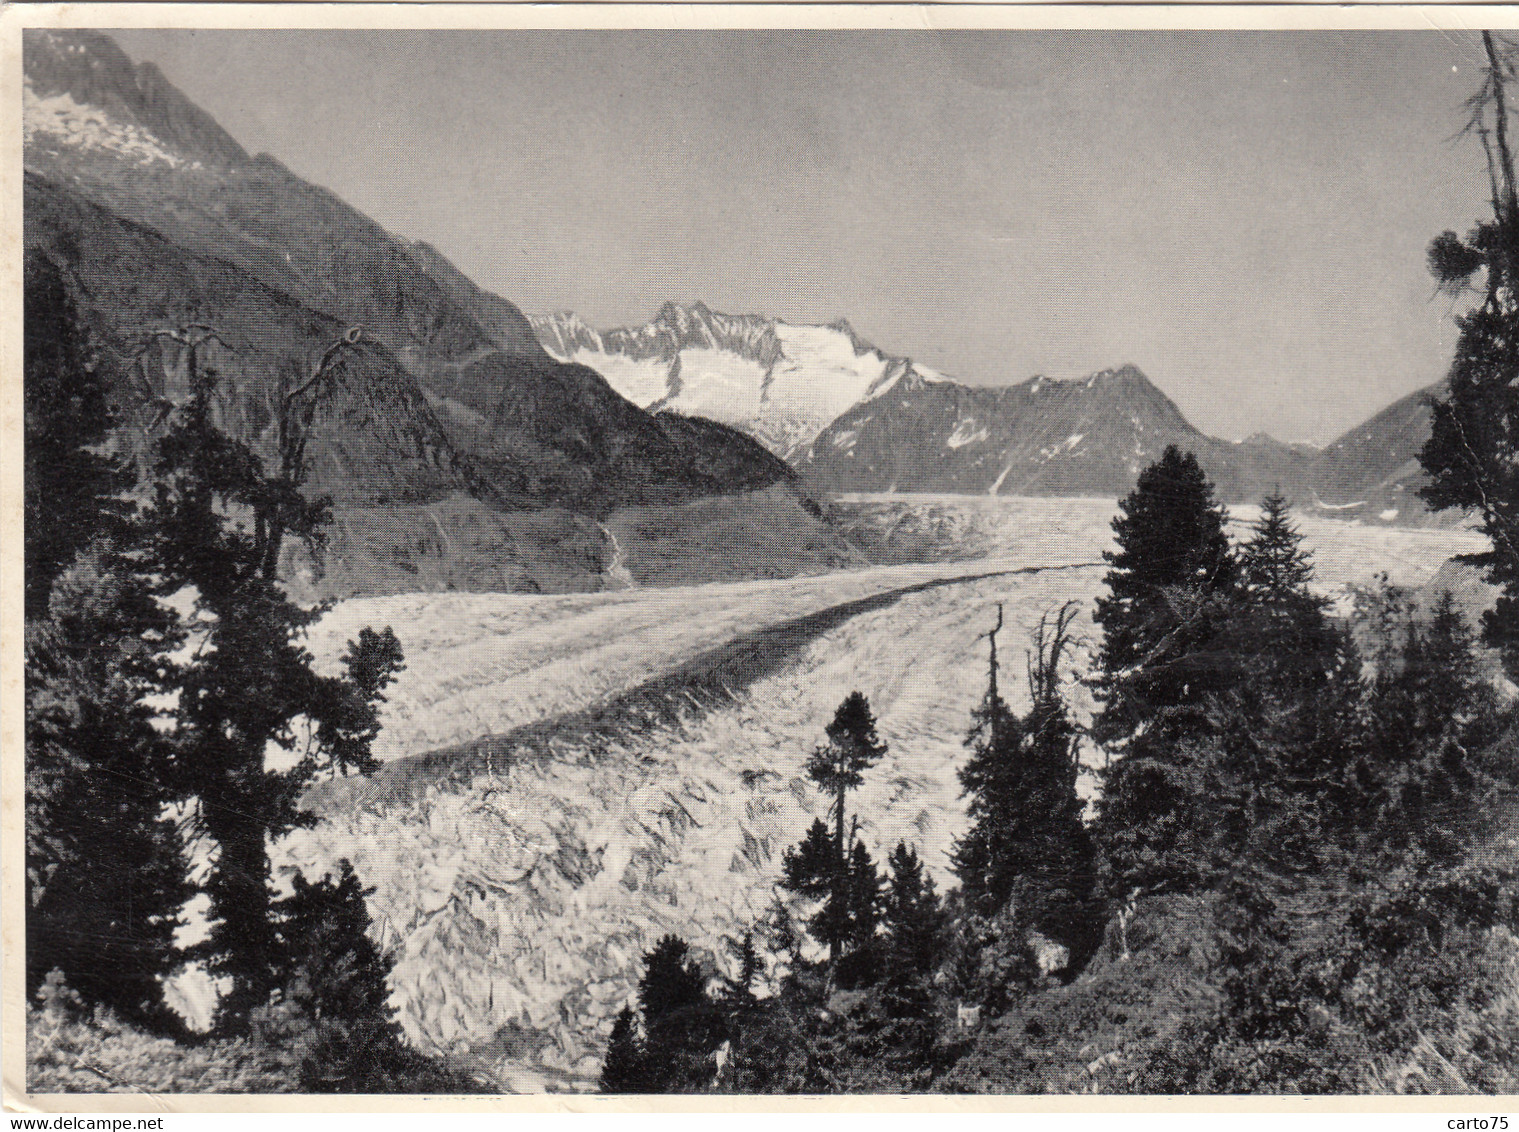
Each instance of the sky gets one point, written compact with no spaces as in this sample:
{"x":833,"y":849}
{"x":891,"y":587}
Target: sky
{"x":1243,"y":215}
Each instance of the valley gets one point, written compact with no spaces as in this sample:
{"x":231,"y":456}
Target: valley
{"x":635,"y":570}
{"x":568,"y":777}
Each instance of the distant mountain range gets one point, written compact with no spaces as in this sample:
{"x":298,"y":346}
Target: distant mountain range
{"x":466,"y":446}
{"x":781,"y":383}
{"x":1094,"y":435}
{"x":852,"y":418}
{"x":159,"y":218}
{"x":1041,"y":437}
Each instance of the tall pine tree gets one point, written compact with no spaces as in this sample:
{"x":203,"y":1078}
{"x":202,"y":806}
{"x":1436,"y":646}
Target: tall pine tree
{"x":838,"y":766}
{"x":105,"y":869}
{"x":1172,"y":588}
{"x":825,"y":866}
{"x":249,"y":687}
{"x":1472,"y":455}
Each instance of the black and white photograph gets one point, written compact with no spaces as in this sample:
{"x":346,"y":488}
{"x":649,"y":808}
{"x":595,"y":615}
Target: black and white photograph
{"x":880,"y":557}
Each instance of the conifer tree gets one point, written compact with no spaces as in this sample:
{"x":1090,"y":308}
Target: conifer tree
{"x":838,"y":766}
{"x":1336,"y":732}
{"x":1274,"y":567}
{"x":106,"y":872}
{"x":334,"y":1017}
{"x":1283,"y":626}
{"x":1172,"y":566}
{"x":781,"y":934}
{"x":249,"y":685}
{"x":1164,"y":657}
{"x":738,"y":992}
{"x":913,"y":923}
{"x":1452,"y":688}
{"x":850,"y":892}
{"x":828,"y":868}
{"x":1028,"y":843}
{"x":681,"y":1024}
{"x":72,"y":488}
{"x":812,"y":869}
{"x":624,"y":1071}
{"x":1424,"y":718}
{"x":863,"y":905}
{"x":1472,"y":455}
{"x":992,"y":780}
{"x":1265,"y":756}
{"x":105,"y":869}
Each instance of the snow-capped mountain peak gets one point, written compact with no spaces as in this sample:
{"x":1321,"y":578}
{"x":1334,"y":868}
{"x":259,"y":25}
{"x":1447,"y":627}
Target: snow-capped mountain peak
{"x":781,"y":382}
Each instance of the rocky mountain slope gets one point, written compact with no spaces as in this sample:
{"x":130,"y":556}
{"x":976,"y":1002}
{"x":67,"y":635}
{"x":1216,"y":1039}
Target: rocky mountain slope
{"x":1092,"y":437}
{"x":1040,"y":437}
{"x":1372,"y":471}
{"x":160,"y":219}
{"x":778,"y":382}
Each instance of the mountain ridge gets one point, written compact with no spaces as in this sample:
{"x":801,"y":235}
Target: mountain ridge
{"x":780,"y":382}
{"x":1041,"y":436}
{"x":134,"y":189}
{"x":1044,"y":436}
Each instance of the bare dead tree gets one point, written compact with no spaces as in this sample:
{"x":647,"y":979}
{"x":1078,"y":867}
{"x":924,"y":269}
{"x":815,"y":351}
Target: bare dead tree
{"x":192,"y":337}
{"x":991,"y":634}
{"x":1488,"y":119}
{"x":1051,"y":639}
{"x":1499,"y":71}
{"x":279,"y":506}
{"x":283,"y":507}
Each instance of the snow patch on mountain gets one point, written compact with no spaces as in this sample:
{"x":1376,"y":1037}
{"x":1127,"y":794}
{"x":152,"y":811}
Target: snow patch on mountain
{"x":967,"y":431}
{"x":999,"y":481}
{"x":712,"y":383}
{"x":59,"y":119}
{"x":1065,"y":447}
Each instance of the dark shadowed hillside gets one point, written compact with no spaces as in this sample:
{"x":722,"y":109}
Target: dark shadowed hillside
{"x":161,"y":219}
